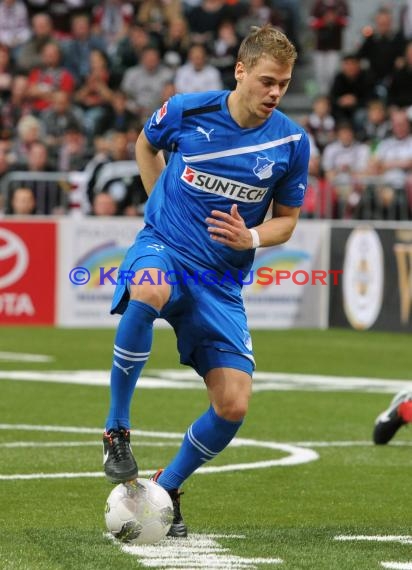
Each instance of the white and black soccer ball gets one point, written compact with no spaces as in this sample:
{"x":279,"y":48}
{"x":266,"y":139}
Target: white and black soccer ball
{"x":140,"y":512}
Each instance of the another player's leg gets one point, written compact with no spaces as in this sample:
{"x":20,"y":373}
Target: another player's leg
{"x":229,"y":392}
{"x":398,"y":414}
{"x":132,"y":347}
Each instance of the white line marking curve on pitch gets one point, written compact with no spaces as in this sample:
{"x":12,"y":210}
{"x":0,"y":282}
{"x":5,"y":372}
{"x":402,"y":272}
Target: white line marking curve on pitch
{"x":295,"y":455}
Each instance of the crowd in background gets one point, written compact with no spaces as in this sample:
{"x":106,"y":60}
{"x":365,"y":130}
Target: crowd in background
{"x":78,"y":79}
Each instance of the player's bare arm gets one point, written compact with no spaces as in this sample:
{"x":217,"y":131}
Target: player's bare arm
{"x":230,"y":229}
{"x":150,"y":161}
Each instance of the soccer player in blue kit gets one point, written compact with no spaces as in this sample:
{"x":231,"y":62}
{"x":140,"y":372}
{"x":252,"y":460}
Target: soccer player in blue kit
{"x":232,"y":156}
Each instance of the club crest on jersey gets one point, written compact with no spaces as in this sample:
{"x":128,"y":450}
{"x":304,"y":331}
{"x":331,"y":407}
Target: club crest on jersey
{"x":161,"y":113}
{"x":247,"y":339}
{"x":263,"y":168}
{"x":232,"y":189}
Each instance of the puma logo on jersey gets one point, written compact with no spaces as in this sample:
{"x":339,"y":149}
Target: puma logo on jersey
{"x":156,"y":246}
{"x":123,"y":368}
{"x":232,"y":189}
{"x":203,"y":132}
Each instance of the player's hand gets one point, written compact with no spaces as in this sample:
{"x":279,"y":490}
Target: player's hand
{"x":229,"y":229}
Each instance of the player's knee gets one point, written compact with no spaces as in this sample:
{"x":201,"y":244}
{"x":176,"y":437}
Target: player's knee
{"x":233,"y":411}
{"x":154,"y":295}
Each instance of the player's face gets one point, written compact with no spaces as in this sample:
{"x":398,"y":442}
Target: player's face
{"x":261,"y":87}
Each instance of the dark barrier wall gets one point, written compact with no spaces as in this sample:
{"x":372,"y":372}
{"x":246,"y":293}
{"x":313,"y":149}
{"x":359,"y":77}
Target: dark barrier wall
{"x":375,"y":291}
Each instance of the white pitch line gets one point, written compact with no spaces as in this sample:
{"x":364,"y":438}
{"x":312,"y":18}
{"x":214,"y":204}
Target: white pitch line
{"x":24,"y":357}
{"x":177,"y":436}
{"x":294,"y":455}
{"x":68,"y":475}
{"x":195,"y":551}
{"x":347,"y":443}
{"x":28,"y":444}
{"x":403,"y":539}
{"x":74,"y":429}
{"x":30,"y":476}
{"x":397,"y":565}
{"x":185,"y":380}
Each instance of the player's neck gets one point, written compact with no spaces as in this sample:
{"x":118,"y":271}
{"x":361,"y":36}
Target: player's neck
{"x":240,"y":112}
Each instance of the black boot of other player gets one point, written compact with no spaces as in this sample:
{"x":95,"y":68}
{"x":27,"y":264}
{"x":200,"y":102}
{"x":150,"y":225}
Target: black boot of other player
{"x":398,"y":414}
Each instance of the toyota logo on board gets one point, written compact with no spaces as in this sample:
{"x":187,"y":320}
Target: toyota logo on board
{"x":13,"y":250}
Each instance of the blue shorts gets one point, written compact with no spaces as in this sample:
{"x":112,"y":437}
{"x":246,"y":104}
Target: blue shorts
{"x":209,"y":319}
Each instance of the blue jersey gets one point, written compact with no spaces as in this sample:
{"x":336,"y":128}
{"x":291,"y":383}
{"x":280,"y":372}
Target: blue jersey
{"x":215,"y":163}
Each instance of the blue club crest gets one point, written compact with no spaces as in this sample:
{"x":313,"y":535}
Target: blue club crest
{"x":263,"y":168}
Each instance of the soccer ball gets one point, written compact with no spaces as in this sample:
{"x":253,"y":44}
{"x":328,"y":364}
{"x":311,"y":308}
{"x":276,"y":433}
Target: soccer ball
{"x":139,"y":512}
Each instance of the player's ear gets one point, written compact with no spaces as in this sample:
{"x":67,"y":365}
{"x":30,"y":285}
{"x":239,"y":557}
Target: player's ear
{"x":240,"y":71}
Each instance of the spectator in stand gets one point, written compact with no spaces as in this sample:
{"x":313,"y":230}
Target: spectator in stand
{"x":6,"y":73}
{"x":224,"y":53}
{"x":51,"y":76}
{"x":204,"y":20}
{"x":29,"y":131}
{"x":143,"y":84}
{"x":351,"y":90}
{"x":30,"y":54}
{"x":188,"y":5}
{"x":23,"y":202}
{"x":392,"y":162}
{"x":256,"y":13}
{"x":116,"y":117}
{"x":61,"y":12}
{"x":100,"y":155}
{"x":383,"y":49}
{"x":131,"y":135}
{"x":14,"y":25}
{"x":320,"y":122}
{"x":376,"y":126}
{"x":176,"y":41}
{"x":400,"y":89}
{"x":4,"y":159}
{"x":6,"y":146}
{"x":4,"y":169}
{"x":314,"y":157}
{"x":61,"y":116}
{"x":73,"y":153}
{"x":116,"y":174}
{"x":17,"y":106}
{"x":197,"y":75}
{"x":289,"y":11}
{"x":104,"y":205}
{"x":168,"y":91}
{"x":37,"y":159}
{"x":129,"y":50}
{"x":406,"y":20}
{"x":50,"y":195}
{"x":95,"y":95}
{"x":77,"y":49}
{"x":156,"y":15}
{"x":344,"y":163}
{"x":313,"y":205}
{"x":112,"y":20}
{"x":328,"y":20}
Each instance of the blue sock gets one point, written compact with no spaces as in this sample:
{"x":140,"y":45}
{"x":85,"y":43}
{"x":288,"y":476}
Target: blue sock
{"x":204,"y":439}
{"x":132,"y":346}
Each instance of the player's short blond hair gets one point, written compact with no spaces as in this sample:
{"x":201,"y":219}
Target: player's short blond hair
{"x":266,"y":41}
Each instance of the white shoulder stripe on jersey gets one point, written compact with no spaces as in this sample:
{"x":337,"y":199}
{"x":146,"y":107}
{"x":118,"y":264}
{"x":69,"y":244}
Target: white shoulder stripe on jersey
{"x":241,"y":150}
